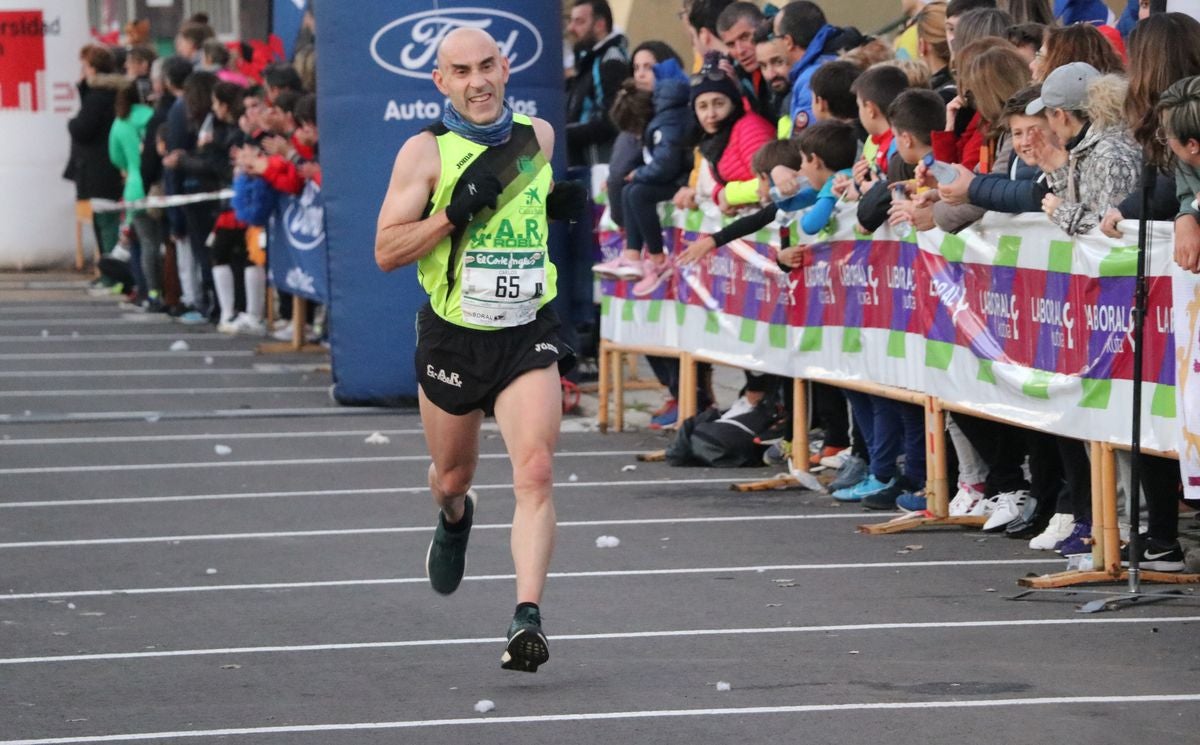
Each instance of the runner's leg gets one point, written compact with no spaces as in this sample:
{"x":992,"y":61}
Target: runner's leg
{"x":453,"y":443}
{"x":529,"y":412}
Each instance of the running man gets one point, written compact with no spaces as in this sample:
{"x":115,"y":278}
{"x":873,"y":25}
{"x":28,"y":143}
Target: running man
{"x":468,"y":202}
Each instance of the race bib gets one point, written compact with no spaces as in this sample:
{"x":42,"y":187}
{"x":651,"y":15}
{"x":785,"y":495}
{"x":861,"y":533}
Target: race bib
{"x":502,"y":288}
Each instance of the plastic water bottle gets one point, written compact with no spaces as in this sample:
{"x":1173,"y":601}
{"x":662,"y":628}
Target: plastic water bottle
{"x":904,"y":228}
{"x":943,"y":173}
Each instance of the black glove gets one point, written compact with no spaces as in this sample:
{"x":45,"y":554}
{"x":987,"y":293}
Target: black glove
{"x":568,"y":201}
{"x":471,"y":196}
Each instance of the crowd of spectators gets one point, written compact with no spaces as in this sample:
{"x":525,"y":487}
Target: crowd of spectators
{"x":211,"y":117}
{"x":976,"y":105}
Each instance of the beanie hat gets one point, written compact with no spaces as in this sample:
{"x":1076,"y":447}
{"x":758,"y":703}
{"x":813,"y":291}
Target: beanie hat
{"x":713,"y":79}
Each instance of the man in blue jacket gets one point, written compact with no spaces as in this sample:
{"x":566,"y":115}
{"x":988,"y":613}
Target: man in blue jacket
{"x":810,"y":43}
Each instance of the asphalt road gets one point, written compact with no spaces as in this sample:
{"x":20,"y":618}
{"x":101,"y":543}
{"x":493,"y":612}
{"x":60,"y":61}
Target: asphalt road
{"x":200,"y":545}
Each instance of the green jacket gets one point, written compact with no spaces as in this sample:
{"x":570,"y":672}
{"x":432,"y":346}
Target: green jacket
{"x":125,"y":149}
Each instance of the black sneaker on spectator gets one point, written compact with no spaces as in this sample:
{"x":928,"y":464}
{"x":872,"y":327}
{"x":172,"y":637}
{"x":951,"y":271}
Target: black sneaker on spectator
{"x":1156,"y":556}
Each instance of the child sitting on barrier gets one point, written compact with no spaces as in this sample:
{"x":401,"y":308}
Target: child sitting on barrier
{"x":828,"y":150}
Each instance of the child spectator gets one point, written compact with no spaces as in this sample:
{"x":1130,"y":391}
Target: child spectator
{"x":833,"y":96}
{"x":631,"y":111}
{"x":661,"y":168}
{"x":913,"y":117}
{"x":1101,"y":163}
{"x":874,"y":92}
{"x":827,"y":150}
{"x":124,"y":149}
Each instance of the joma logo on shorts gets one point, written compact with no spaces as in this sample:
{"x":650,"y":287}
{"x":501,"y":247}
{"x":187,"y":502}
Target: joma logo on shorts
{"x":544,"y":347}
{"x":441,"y":376}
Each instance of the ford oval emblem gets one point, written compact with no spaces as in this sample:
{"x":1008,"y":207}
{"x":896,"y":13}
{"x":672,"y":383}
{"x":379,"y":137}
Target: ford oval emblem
{"x":408,"y":46}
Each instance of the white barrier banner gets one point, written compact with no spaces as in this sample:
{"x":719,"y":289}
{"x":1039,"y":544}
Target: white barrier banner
{"x":1011,"y":317}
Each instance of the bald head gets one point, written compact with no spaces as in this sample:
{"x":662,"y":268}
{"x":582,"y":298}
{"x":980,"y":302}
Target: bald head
{"x":472,"y":72}
{"x":466,"y":45}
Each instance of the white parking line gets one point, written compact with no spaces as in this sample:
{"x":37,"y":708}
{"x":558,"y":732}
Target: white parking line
{"x":139,"y":392}
{"x":122,"y":355}
{"x":115,"y":321}
{"x":282,"y":462}
{"x":145,"y":373}
{"x":154,"y":416}
{"x":621,"y":715}
{"x":673,"y":633}
{"x":208,"y":436}
{"x":189,"y":336}
{"x":415,"y":528}
{"x":509,"y":577}
{"x":349,"y":492}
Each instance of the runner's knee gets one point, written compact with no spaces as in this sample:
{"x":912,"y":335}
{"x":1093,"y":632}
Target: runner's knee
{"x":455,"y":481}
{"x":534,"y":472}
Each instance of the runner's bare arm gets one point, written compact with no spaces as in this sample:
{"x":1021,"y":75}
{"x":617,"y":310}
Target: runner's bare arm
{"x":545,"y":136}
{"x":401,"y":235}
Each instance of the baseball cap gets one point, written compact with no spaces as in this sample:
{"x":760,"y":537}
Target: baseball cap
{"x":1064,"y":88}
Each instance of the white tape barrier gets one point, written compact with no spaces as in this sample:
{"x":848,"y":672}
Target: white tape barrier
{"x":174,"y":200}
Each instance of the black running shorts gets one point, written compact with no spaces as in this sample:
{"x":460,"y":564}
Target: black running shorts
{"x":462,"y":370}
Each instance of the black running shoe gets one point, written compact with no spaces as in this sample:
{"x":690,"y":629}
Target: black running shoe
{"x":446,"y":561}
{"x":1156,"y":556}
{"x":527,"y":647}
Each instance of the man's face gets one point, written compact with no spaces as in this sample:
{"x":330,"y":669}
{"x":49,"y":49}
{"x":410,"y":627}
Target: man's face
{"x":472,"y":73}
{"x":773,"y":61}
{"x":739,"y":38}
{"x":581,"y":27}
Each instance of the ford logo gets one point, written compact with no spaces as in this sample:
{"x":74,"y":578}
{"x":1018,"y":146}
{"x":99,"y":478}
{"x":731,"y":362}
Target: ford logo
{"x":408,"y":46}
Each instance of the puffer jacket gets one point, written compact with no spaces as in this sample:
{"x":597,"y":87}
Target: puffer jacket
{"x":89,"y":167}
{"x":1103,"y":167}
{"x":1019,"y":188}
{"x":666,"y":154}
{"x":750,"y":132}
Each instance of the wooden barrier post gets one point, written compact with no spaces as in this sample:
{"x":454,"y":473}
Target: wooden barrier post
{"x":618,"y":387}
{"x":299,"y":327}
{"x":603,"y":383}
{"x":1106,"y":536}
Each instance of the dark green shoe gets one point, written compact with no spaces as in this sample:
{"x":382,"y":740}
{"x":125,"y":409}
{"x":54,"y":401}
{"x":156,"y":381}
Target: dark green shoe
{"x":446,"y":561}
{"x":527,"y":647}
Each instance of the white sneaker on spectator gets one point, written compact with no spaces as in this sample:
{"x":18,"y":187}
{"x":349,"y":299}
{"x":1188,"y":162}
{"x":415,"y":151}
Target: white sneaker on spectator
{"x":835,"y":462}
{"x":965,"y":500}
{"x":1061,"y":525}
{"x":249,"y":326}
{"x":228,"y":327}
{"x":984,"y":507}
{"x":1008,"y":508}
{"x":283,"y":333}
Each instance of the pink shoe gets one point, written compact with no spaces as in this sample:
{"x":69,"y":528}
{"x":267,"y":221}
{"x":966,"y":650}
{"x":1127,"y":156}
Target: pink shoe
{"x":619,"y":268}
{"x":653,"y":276}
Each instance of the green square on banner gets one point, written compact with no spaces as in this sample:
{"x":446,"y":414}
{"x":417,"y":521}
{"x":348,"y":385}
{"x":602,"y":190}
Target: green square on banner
{"x":605,"y":304}
{"x":851,"y":340}
{"x":1163,"y":403}
{"x":655,"y":313}
{"x":812,"y":339}
{"x":693,"y":219}
{"x":777,"y":335}
{"x":1037,"y":385}
{"x":712,"y":322}
{"x":1007,"y":250}
{"x":896,"y":344}
{"x":938,"y":354}
{"x":1060,"y":256}
{"x":830,"y":229}
{"x":1120,"y":262}
{"x":680,"y":313}
{"x":627,"y":310}
{"x":953,"y":247}
{"x":1096,"y":393}
{"x":985,"y":372}
{"x":668,"y":213}
{"x":749,"y":331}
{"x":763,"y":236}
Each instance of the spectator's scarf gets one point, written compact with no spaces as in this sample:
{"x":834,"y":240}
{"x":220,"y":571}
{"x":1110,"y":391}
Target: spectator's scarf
{"x":712,"y":146}
{"x":488,"y":135}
